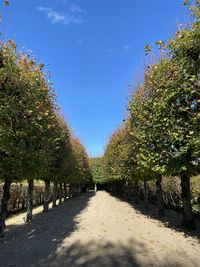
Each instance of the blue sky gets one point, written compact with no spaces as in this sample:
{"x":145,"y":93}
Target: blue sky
{"x":94,"y":49}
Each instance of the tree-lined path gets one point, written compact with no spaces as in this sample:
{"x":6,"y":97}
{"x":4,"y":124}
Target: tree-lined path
{"x":96,"y":230}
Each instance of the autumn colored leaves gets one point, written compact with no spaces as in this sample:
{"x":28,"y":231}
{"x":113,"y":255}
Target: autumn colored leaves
{"x":162,"y":134}
{"x":35,"y":141}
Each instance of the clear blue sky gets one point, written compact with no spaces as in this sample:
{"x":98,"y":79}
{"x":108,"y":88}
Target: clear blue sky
{"x":93,"y":49}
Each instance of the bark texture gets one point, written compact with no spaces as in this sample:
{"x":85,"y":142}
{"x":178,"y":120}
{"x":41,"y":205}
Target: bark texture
{"x":55,"y":190}
{"x":4,"y":206}
{"x":188,"y":221}
{"x":160,"y":199}
{"x":60,"y":193}
{"x":29,"y":215}
{"x":65,"y":191}
{"x":95,"y":188}
{"x":46,"y":195}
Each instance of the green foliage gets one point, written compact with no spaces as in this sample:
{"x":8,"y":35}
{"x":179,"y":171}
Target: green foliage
{"x":59,"y":151}
{"x":162,"y":134}
{"x":6,"y":3}
{"x":27,"y":105}
{"x":147,"y":49}
{"x":96,"y":167}
{"x":35,"y":142}
{"x":165,"y":109}
{"x":79,"y":164}
{"x":120,"y":155}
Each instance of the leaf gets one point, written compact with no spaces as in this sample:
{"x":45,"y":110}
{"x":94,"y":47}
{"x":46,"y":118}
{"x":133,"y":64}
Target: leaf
{"x":186,"y":2}
{"x":6,"y":3}
{"x":147,"y":49}
{"x":159,"y":42}
{"x":183,"y":168}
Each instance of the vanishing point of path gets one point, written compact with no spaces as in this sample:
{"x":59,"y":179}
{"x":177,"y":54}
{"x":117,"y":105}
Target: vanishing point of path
{"x":96,"y":230}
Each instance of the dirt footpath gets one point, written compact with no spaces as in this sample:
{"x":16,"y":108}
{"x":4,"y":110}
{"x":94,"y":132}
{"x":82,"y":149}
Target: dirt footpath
{"x":96,"y":230}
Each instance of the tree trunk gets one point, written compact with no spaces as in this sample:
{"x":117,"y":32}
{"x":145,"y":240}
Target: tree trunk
{"x":95,"y":187}
{"x":29,"y":214}
{"x":145,"y":195}
{"x":60,"y":193}
{"x":55,"y":190}
{"x":136,"y":189}
{"x":46,"y":195}
{"x":4,"y":206}
{"x":160,"y":200}
{"x":70,"y":191}
{"x":65,"y":191}
{"x":188,"y":221}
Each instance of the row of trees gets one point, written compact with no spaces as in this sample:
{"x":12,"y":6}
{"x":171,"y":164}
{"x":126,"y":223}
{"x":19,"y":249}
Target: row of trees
{"x":35,"y":141}
{"x":97,"y":172}
{"x":162,"y":133}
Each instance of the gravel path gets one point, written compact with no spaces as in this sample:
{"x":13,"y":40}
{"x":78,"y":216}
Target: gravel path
{"x":96,"y":230}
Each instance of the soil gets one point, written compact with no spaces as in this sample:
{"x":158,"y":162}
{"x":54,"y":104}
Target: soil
{"x":98,"y":230}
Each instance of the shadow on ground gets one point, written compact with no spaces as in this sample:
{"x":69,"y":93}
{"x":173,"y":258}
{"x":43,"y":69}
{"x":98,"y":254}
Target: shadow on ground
{"x":107,"y":254}
{"x":44,"y":243}
{"x":171,"y":220}
{"x":28,"y":244}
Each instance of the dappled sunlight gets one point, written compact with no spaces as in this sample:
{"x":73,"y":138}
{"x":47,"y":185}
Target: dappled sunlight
{"x":170,"y":220}
{"x":47,"y":231}
{"x":120,"y":185}
{"x":99,"y":253}
{"x":97,"y":230}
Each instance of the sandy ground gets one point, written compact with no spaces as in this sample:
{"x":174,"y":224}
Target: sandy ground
{"x":97,"y":230}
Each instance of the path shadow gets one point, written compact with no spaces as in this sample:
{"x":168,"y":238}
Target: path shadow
{"x":34,"y":241}
{"x":100,"y":253}
{"x":43,"y":243}
{"x":171,"y":220}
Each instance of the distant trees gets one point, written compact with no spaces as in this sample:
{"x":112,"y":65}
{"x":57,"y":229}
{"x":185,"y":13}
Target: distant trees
{"x":80,"y":173}
{"x":96,"y":167}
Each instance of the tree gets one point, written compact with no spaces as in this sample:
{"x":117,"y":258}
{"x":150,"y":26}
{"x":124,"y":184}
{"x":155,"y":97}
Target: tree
{"x":96,"y":167}
{"x":79,"y":174}
{"x":167,"y":112}
{"x":26,"y":104}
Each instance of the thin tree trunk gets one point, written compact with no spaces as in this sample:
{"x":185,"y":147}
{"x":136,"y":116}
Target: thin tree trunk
{"x":145,"y":195}
{"x":187,"y":217}
{"x":60,"y":193}
{"x":70,"y":191}
{"x":160,"y":200}
{"x":65,"y":191}
{"x":95,"y":187}
{"x":136,"y":189}
{"x":4,"y":206}
{"x":55,"y":190}
{"x":46,"y":195}
{"x":29,"y":214}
